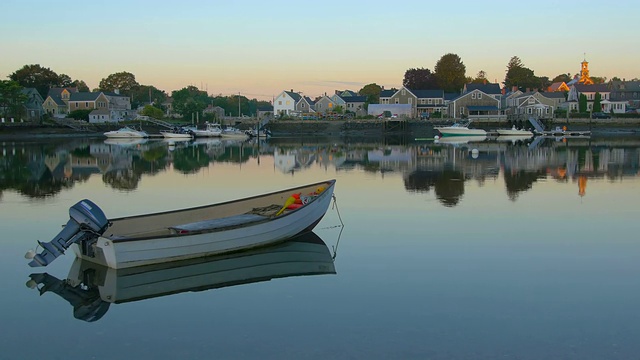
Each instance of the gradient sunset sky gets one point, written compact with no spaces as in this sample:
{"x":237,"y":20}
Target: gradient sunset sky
{"x":259,"y":48}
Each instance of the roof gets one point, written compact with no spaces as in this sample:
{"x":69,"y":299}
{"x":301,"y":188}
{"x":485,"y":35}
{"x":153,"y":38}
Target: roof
{"x":428,"y":94}
{"x":592,"y":88}
{"x":489,"y":88}
{"x":57,"y":91}
{"x":111,"y":93}
{"x":308,"y":100}
{"x":265,"y":108}
{"x":450,"y":96}
{"x":553,"y":95}
{"x":294,"y":96}
{"x":84,"y":96}
{"x":482,"y":108}
{"x":625,"y":85}
{"x":556,"y":85}
{"x":354,"y":99}
{"x":387,"y":93}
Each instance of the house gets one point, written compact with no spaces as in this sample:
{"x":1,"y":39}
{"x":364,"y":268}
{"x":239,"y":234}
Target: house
{"x":33,"y":104}
{"x":217,"y":111}
{"x":558,"y":86}
{"x":285,"y":102}
{"x":355,"y":104}
{"x":478,"y":101}
{"x":88,"y":101}
{"x":385,"y":96}
{"x":265,"y":111}
{"x":422,"y":102}
{"x":305,"y":105}
{"x":590,"y":91}
{"x":537,"y":104}
{"x":57,"y":102}
{"x":324,"y":104}
{"x":118,"y":101}
{"x":626,"y":91}
{"x":100,"y":116}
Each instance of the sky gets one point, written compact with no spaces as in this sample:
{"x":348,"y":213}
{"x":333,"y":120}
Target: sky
{"x":260,"y":48}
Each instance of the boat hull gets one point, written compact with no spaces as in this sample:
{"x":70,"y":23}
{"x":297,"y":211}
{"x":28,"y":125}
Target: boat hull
{"x":461,"y":131}
{"x":118,"y":253}
{"x":514,"y":132}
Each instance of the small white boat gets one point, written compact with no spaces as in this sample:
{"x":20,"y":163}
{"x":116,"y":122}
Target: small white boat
{"x":514,"y":132}
{"x":177,"y":134}
{"x":234,"y":133}
{"x":187,"y":233}
{"x":125,"y":141}
{"x":126,"y":132}
{"x":460,"y":129}
{"x":210,"y":130}
{"x":91,"y":288}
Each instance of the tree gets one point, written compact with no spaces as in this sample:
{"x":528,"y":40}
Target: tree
{"x":152,"y":111}
{"x":481,"y":78}
{"x":190,"y":100}
{"x":80,"y":114}
{"x":450,"y":73}
{"x":147,"y":94}
{"x":597,"y":102}
{"x":372,"y":92}
{"x":38,"y":77}
{"x":562,"y":78}
{"x":520,"y":76}
{"x":582,"y":103}
{"x":11,"y":98}
{"x":81,"y":85}
{"x":615,"y":78}
{"x":122,"y":81}
{"x":419,"y":79}
{"x":599,"y":79}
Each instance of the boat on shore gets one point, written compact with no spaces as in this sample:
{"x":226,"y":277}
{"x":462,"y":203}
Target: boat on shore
{"x":91,"y":288}
{"x":126,"y":133}
{"x":187,"y":233}
{"x":460,"y":128}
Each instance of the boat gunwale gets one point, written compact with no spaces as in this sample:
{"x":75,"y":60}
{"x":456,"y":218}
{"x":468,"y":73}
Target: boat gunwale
{"x":331,"y":184}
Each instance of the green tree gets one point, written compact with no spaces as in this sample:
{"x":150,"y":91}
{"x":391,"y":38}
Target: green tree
{"x":562,"y":78}
{"x":520,"y":76}
{"x":582,"y":103}
{"x":190,"y":100}
{"x":450,"y":73}
{"x":147,"y":94}
{"x":419,"y":79}
{"x":38,"y":77}
{"x":81,"y":85}
{"x":480,"y":78}
{"x":152,"y":111}
{"x":599,"y":79}
{"x":372,"y":92}
{"x":597,"y":102}
{"x":80,"y":114}
{"x":123,"y":81}
{"x":11,"y":98}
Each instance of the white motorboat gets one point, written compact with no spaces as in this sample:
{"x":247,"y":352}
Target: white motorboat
{"x":177,"y":134}
{"x":460,"y":129}
{"x":187,"y":233}
{"x":210,"y":130}
{"x":235,"y":133}
{"x":514,"y":132}
{"x":126,"y":132}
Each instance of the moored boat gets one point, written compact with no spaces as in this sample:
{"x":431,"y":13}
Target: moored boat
{"x":126,"y":132}
{"x":187,"y":233}
{"x":234,"y":133}
{"x":210,"y":130}
{"x":460,"y":129}
{"x":514,"y":132}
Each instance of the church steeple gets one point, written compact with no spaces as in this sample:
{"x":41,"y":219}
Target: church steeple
{"x":584,"y":73}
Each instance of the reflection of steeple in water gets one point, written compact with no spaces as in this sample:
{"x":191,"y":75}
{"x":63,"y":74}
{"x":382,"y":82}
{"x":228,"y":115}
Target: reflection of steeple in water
{"x":582,"y":185}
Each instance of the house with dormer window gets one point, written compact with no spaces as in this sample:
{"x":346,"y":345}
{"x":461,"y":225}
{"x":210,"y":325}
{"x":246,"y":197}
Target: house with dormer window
{"x":590,"y":92}
{"x":57,"y":102}
{"x":478,"y":101}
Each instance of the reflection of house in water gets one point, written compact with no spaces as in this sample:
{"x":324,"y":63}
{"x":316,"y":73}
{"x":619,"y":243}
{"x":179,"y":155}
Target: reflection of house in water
{"x":393,"y":158}
{"x":333,"y":157}
{"x":293,"y":160}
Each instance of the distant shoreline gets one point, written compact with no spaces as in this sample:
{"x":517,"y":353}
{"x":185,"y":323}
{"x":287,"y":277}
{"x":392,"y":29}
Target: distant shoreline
{"x":318,"y":127}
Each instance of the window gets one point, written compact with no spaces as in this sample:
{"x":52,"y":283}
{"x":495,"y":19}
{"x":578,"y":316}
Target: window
{"x":404,"y":92}
{"x":86,"y":104}
{"x":302,"y":105}
{"x":461,"y":110}
{"x":397,"y":101}
{"x":479,"y":95}
{"x":473,"y":95}
{"x":330,"y":105}
{"x":288,"y":102}
{"x":529,"y":111}
{"x":409,"y":101}
{"x":280,"y":102}
{"x":430,"y":101}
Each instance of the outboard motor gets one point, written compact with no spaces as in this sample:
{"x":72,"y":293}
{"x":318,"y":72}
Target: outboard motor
{"x":87,"y":222}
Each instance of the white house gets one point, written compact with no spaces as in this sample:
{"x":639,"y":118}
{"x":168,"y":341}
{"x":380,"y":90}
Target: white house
{"x":285,"y":102}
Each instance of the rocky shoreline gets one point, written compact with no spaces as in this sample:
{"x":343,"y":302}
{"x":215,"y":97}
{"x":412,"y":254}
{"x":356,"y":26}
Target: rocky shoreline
{"x":319,"y":128}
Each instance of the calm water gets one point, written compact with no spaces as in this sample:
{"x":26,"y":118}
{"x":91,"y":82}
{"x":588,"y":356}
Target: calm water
{"x":491,"y":250}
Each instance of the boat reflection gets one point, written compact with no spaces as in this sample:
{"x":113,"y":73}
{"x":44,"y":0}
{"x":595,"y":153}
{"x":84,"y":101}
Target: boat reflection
{"x":91,"y":288}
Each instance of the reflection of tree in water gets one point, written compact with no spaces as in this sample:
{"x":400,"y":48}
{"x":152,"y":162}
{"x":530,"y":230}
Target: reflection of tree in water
{"x":237,"y":154}
{"x":520,"y":181}
{"x":152,"y":161}
{"x":448,"y":185}
{"x":122,"y":179}
{"x":191,"y":159}
{"x":44,"y":187}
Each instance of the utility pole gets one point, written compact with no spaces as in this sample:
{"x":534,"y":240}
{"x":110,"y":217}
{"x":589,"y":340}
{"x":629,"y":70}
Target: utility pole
{"x":239,"y":115}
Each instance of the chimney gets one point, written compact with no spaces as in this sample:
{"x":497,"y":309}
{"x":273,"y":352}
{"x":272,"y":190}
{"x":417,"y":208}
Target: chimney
{"x":484,"y":82}
{"x":514,"y":88}
{"x":291,"y":90}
